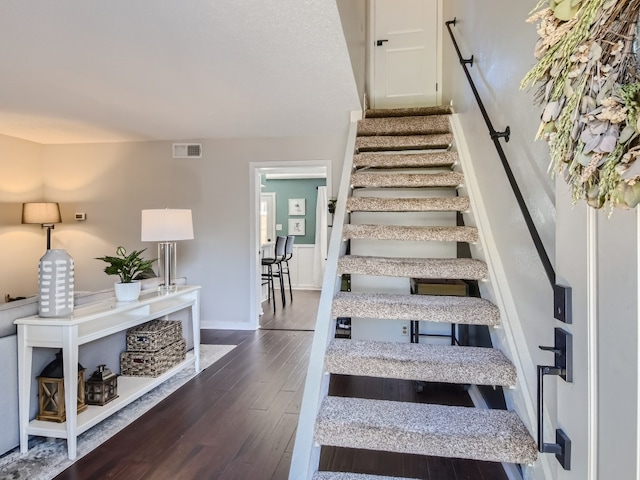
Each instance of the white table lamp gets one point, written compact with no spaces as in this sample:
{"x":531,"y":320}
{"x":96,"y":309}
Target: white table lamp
{"x":166,"y":226}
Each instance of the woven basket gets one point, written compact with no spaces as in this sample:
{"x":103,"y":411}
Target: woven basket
{"x":152,"y":364}
{"x":154,"y":335}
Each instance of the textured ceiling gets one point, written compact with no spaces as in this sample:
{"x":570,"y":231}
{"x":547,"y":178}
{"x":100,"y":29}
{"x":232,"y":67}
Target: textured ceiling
{"x":77,"y":71}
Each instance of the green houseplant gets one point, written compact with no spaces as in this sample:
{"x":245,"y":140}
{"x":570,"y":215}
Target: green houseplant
{"x":332,"y":205}
{"x":129,"y":268}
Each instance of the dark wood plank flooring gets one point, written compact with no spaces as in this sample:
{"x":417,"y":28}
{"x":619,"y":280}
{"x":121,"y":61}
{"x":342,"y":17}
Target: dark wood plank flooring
{"x":299,"y":314}
{"x":237,"y":420}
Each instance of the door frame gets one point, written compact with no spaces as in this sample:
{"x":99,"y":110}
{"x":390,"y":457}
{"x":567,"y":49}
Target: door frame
{"x":256,"y":169}
{"x":370,"y":49}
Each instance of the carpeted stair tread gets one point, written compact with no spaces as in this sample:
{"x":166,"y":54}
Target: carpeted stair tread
{"x":402,"y":112}
{"x":447,"y":268}
{"x":433,"y":204}
{"x":420,"y":362}
{"x":406,"y":180}
{"x":410,"y":233}
{"x":422,"y":125}
{"x":424,"y":429}
{"x":430,"y":308}
{"x":352,"y":476}
{"x":389,"y":143}
{"x":405,"y":160}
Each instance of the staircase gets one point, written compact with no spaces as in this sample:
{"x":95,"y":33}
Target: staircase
{"x":407,"y":151}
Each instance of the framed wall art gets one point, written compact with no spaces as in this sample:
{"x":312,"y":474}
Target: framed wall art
{"x":297,"y":226}
{"x":297,"y":206}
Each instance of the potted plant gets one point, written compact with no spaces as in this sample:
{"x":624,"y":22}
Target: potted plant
{"x":332,"y":205}
{"x":332,"y":208}
{"x":129,"y":268}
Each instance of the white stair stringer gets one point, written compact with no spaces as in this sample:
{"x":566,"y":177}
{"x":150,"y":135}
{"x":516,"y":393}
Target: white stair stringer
{"x":306,"y":454}
{"x":420,"y":362}
{"x":424,"y":429}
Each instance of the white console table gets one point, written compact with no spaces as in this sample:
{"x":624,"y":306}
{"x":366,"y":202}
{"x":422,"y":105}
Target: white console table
{"x":86,"y":324}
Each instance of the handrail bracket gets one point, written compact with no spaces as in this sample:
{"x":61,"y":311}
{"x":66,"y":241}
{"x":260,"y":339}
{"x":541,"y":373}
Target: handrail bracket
{"x":506,"y":134}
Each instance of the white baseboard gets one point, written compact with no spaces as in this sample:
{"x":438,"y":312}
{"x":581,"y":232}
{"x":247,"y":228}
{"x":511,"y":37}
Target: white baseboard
{"x":217,"y":325}
{"x":300,"y":287}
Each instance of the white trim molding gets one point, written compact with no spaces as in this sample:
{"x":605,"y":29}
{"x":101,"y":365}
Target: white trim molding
{"x":592,"y":343}
{"x":638,"y":344}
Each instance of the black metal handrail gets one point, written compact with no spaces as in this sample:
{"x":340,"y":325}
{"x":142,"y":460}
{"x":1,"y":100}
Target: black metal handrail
{"x":496,"y":136}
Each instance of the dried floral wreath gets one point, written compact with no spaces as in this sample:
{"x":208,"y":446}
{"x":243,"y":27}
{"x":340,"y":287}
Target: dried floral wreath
{"x":588,"y":75}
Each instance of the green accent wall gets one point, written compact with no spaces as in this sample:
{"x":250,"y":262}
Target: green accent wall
{"x":295,"y":188}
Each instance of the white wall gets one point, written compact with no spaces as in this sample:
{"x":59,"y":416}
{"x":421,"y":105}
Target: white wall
{"x":502,"y":45}
{"x":353,"y":15}
{"x":21,"y":246}
{"x":112,"y":183}
{"x":498,"y":66}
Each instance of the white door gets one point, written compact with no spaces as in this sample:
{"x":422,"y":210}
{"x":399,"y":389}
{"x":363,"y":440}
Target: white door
{"x":267,"y":230}
{"x":405,"y":53}
{"x":267,"y":218}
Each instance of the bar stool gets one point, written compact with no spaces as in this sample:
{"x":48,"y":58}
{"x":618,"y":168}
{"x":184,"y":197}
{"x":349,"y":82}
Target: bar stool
{"x":268,"y":276}
{"x":284,"y":265}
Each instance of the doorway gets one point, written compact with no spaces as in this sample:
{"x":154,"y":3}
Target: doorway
{"x":404,"y":53}
{"x":259,"y":171}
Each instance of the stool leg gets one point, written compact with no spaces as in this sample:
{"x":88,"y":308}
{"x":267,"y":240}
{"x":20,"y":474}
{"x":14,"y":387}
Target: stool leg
{"x":289,"y":277}
{"x":272,"y":291}
{"x":281,"y":278}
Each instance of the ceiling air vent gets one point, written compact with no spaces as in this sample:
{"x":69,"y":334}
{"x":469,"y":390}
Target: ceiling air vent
{"x":187,"y":150}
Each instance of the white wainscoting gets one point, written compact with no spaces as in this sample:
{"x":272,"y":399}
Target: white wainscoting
{"x":301,"y":267}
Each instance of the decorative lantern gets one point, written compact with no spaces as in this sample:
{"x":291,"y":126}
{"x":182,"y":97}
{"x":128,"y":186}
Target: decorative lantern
{"x":101,"y":387}
{"x":51,"y":391}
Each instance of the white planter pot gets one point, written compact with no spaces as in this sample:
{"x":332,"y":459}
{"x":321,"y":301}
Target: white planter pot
{"x":127,"y":292}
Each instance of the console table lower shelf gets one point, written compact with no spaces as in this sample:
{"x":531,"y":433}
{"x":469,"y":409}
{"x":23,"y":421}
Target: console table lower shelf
{"x":129,"y":390}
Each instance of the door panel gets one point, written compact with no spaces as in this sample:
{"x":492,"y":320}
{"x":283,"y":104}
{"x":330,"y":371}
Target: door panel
{"x":405,"y":63}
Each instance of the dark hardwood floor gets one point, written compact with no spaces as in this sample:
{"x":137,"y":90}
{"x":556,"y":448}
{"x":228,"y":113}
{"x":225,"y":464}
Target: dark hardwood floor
{"x":299,"y":314}
{"x":237,"y":419}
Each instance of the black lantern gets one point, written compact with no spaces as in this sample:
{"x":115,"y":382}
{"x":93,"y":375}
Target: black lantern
{"x":101,"y":387}
{"x":51,"y":391}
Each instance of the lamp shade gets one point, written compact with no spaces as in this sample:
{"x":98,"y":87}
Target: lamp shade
{"x":41,"y":212}
{"x":166,"y":225}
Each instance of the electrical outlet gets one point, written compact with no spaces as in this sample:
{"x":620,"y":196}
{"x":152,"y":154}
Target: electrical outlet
{"x":405,"y":329}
